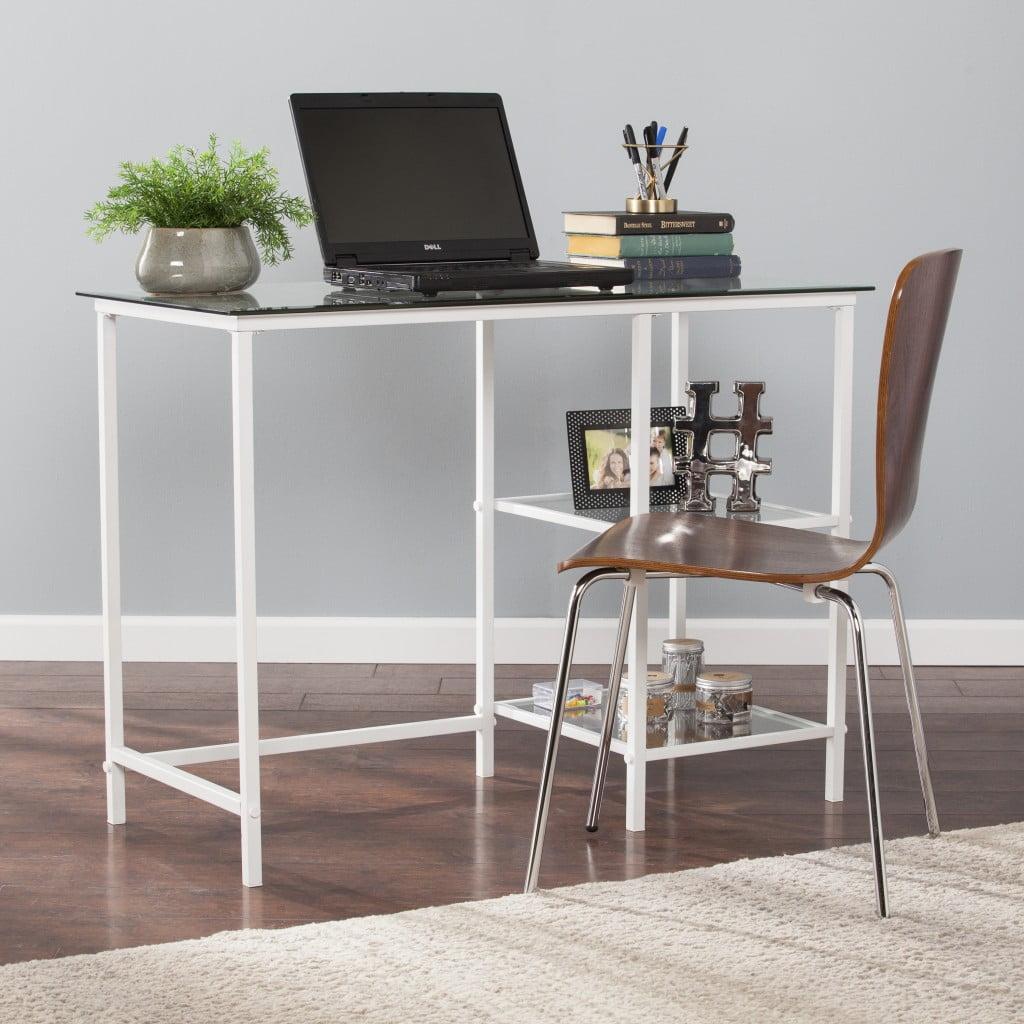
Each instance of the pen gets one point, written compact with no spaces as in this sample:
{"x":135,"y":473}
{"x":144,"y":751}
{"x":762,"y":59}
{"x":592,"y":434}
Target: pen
{"x":676,"y":154}
{"x":662,"y":132}
{"x":650,"y":133}
{"x":633,"y":150}
{"x":647,"y":158}
{"x":653,"y":154}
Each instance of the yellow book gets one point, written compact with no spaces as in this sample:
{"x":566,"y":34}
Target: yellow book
{"x":647,"y":246}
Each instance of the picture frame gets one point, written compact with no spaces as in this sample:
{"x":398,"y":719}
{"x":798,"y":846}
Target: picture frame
{"x":599,"y":447}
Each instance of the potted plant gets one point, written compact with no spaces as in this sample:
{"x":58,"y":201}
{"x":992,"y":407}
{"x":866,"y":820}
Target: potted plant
{"x":199,"y":208}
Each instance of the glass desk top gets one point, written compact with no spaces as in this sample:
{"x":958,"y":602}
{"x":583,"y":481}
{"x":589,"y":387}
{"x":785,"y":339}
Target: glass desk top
{"x":319,"y":297}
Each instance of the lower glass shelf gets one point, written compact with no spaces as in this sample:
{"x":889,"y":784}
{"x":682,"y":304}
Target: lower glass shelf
{"x":559,"y":508}
{"x":682,"y":738}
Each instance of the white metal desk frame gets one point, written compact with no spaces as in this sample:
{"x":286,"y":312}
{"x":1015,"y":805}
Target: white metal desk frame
{"x":167,"y":766}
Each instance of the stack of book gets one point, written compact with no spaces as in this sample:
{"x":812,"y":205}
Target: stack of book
{"x":655,"y":246}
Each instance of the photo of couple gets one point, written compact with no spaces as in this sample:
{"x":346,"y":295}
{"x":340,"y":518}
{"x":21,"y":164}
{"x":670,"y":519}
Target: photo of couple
{"x":608,"y":458}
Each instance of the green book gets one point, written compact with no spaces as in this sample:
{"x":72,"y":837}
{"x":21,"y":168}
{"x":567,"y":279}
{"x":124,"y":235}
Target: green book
{"x":645,"y":246}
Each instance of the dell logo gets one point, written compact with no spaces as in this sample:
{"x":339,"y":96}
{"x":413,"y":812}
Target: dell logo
{"x":432,"y":245}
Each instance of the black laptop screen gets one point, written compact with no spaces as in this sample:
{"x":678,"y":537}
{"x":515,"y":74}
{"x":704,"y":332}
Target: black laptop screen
{"x":410,"y":174}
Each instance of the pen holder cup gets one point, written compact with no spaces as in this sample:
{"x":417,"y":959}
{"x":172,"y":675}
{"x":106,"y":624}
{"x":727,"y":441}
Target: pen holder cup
{"x":636,"y":205}
{"x":648,"y":199}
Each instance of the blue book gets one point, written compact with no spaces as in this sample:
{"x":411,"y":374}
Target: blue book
{"x":657,"y":268}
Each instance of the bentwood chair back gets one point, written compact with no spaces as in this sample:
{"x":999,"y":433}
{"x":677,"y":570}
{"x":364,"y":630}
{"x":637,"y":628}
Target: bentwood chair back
{"x":679,"y":544}
{"x":910,"y":357}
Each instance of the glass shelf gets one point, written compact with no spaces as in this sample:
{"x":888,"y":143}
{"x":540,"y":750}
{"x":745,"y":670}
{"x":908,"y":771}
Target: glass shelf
{"x":558,"y":508}
{"x":683,"y":738}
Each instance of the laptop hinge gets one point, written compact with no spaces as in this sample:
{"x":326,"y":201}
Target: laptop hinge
{"x":345,"y":261}
{"x":520,"y":255}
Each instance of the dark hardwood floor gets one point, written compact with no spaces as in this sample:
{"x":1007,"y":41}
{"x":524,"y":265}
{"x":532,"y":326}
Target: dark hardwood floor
{"x":376,"y":829}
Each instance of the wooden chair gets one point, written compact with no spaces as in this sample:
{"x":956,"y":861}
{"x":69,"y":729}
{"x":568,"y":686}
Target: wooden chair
{"x":679,"y":544}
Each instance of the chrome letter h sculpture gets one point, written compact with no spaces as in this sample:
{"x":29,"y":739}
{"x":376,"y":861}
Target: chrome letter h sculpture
{"x":694,"y":461}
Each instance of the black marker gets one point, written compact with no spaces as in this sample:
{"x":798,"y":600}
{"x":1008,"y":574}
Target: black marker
{"x":633,"y":150}
{"x":675,"y":157}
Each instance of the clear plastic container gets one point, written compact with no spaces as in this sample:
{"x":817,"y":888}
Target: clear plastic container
{"x":581,"y":695}
{"x":683,"y":660}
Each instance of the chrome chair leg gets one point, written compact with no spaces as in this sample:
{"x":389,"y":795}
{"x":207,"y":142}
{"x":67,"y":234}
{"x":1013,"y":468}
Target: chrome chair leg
{"x":910,"y":686}
{"x":557,"y":714}
{"x":867,"y":734}
{"x":611,"y":704}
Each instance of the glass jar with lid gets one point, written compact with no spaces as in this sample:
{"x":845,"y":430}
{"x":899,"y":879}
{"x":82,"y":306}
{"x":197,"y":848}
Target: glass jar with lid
{"x":683,"y":659}
{"x":658,"y":698}
{"x":724,"y":698}
{"x":659,"y":710}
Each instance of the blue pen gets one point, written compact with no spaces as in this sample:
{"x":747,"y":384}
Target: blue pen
{"x":657,"y":137}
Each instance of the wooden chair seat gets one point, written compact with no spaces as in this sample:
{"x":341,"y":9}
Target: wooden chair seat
{"x":696,"y":544}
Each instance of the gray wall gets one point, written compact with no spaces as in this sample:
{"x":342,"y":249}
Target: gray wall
{"x":846,"y":138}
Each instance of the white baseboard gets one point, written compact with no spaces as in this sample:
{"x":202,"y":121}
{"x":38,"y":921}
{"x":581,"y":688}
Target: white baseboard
{"x":523,"y":641}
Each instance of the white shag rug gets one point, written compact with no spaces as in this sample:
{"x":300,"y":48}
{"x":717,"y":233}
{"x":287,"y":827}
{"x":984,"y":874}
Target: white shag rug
{"x":785,"y":939}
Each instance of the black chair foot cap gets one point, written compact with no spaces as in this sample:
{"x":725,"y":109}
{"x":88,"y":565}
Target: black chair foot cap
{"x":590,"y":828}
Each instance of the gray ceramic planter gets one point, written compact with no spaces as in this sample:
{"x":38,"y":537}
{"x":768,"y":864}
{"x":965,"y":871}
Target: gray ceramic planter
{"x":180,"y":261}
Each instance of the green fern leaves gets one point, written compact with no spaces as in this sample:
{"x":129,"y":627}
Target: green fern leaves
{"x":191,"y":189}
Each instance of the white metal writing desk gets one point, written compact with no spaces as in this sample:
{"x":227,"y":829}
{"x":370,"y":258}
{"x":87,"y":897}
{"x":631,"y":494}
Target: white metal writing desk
{"x":282,"y":307}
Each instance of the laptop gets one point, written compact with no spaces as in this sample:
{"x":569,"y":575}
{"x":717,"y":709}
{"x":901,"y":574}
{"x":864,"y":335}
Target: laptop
{"x":420,"y":192}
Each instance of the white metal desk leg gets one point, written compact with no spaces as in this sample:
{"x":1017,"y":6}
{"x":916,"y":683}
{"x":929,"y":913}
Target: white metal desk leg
{"x":842,"y":455}
{"x":245,"y":607}
{"x":484,"y":507}
{"x":680,"y":379}
{"x":639,"y":502}
{"x":110,"y":563}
